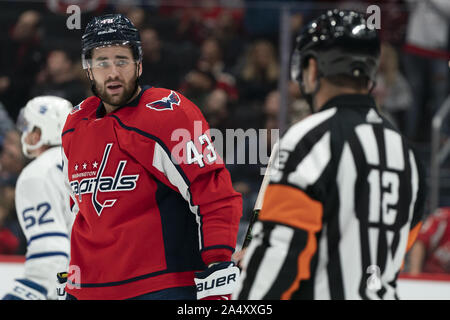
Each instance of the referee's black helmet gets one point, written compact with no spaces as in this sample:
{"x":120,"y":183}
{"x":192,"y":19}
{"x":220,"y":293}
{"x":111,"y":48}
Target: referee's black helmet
{"x":342,"y":43}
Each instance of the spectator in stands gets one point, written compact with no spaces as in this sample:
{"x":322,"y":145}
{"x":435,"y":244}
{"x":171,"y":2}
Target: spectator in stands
{"x":198,"y":19}
{"x":272,"y":110}
{"x":60,"y":7}
{"x":6,"y":124}
{"x":135,"y":13}
{"x":12,"y":160}
{"x":21,"y":57}
{"x":260,"y":72}
{"x":59,"y":78}
{"x":161,"y":67}
{"x":216,"y":110}
{"x":197,"y":85}
{"x":393,"y":92}
{"x":211,"y":61}
{"x":211,"y":57}
{"x":394,"y":15}
{"x":208,"y":75}
{"x":137,"y":17}
{"x":298,"y":109}
{"x":229,"y":33}
{"x":195,"y":21}
{"x":431,"y":252}
{"x":9,"y":243}
{"x":426,"y":63}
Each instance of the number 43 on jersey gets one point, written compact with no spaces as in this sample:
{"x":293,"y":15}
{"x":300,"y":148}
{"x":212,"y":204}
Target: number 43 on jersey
{"x":194,"y":156}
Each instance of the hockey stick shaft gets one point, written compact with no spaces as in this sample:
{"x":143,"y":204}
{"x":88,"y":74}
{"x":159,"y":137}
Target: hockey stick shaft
{"x":259,"y":199}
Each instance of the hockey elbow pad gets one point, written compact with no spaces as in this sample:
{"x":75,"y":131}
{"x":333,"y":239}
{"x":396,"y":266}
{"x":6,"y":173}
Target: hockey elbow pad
{"x":24,"y":289}
{"x":217,"y":282}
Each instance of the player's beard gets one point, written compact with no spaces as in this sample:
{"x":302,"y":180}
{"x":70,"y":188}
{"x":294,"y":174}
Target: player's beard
{"x":116,"y":100}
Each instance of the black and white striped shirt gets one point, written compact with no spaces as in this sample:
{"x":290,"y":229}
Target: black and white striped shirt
{"x":343,"y":206}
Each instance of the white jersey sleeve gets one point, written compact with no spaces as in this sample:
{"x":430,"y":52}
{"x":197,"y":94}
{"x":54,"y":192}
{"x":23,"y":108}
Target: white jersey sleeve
{"x":42,"y":206}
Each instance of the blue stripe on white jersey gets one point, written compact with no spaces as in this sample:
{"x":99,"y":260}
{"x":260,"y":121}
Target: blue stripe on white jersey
{"x":47,"y":254}
{"x":47,"y":234}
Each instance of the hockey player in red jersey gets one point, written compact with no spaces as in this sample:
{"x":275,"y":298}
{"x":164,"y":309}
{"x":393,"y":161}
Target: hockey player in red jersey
{"x":431,"y":252}
{"x":156,"y":214}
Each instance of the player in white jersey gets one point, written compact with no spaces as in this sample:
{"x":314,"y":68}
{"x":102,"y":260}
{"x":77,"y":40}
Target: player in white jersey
{"x":42,"y":204}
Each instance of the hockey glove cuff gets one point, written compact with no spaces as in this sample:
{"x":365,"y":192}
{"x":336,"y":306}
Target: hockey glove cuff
{"x":217,"y":282}
{"x":61,"y":285}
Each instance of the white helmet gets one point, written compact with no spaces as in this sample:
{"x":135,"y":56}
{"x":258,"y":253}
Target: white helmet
{"x":48,"y":113}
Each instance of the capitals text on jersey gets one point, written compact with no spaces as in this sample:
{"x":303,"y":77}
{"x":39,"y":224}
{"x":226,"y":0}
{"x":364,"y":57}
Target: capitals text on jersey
{"x":101,"y":183}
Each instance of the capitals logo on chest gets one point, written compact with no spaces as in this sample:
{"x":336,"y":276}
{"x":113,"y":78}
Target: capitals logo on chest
{"x":95,"y":182}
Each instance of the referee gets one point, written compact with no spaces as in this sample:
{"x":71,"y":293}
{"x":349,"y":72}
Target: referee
{"x":345,"y":200}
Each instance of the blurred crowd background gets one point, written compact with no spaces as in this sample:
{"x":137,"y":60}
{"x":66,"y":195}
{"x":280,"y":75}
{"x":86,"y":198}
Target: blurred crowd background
{"x":225,"y":57}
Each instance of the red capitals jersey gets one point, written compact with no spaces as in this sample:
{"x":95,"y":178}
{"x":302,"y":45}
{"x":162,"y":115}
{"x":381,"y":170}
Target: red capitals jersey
{"x":435,"y":234}
{"x":153,"y":200}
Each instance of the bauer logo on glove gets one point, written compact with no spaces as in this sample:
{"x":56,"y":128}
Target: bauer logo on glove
{"x":217,"y":282}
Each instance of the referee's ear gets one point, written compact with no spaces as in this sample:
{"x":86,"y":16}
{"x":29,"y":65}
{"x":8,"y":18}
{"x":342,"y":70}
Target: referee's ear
{"x":310,"y":75}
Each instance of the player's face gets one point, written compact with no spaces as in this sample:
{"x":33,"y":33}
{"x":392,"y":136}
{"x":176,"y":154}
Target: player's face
{"x":114,"y":73}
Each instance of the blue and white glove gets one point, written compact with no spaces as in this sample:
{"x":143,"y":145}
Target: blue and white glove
{"x":217,"y":282}
{"x":24,"y":289}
